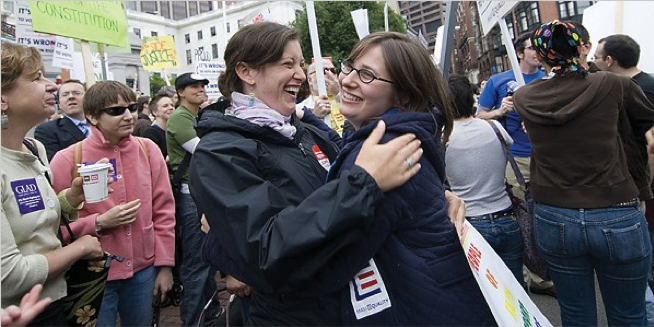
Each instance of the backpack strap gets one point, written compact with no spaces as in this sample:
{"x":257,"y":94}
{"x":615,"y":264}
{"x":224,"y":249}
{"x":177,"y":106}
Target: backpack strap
{"x":145,"y":149}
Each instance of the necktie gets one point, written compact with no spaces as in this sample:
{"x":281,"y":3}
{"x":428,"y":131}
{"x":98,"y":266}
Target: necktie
{"x":84,"y":128}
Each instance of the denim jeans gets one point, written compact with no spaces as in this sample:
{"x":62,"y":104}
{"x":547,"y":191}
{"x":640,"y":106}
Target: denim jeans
{"x":503,"y":234}
{"x":196,"y":275}
{"x":611,"y":242}
{"x":130,"y":298}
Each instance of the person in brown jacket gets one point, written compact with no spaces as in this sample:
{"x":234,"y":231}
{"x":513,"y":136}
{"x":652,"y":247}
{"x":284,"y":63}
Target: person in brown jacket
{"x":587,"y":217}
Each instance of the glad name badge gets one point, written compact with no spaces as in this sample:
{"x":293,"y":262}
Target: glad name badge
{"x":321,"y":157}
{"x":368,"y":293}
{"x":27,"y":194}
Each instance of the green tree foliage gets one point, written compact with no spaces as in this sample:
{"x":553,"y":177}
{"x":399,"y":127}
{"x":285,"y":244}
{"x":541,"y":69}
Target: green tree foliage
{"x":336,"y":29}
{"x":157,"y":82}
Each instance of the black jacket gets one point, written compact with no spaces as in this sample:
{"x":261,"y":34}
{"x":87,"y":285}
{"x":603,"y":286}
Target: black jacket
{"x":266,"y":200}
{"x":57,"y":135}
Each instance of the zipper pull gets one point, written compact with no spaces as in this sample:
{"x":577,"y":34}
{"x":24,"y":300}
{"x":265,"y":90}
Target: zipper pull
{"x":299,"y":145}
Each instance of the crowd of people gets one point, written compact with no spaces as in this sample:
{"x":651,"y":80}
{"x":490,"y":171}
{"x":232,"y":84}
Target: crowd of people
{"x":300,"y":217}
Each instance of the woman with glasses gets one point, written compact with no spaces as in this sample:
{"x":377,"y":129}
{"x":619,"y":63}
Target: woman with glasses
{"x":587,"y":219}
{"x":258,"y":174}
{"x":137,"y":221}
{"x":31,"y":210}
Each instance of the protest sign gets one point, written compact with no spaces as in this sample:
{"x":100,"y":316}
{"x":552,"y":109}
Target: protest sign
{"x":360,"y":20}
{"x":508,"y":301}
{"x":491,"y":12}
{"x":45,"y":43}
{"x":158,"y":52}
{"x":63,"y":53}
{"x":102,"y":22}
{"x":211,"y":70}
{"x":315,"y":46}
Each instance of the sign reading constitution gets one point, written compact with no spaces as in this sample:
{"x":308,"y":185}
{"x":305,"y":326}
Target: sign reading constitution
{"x":102,"y":22}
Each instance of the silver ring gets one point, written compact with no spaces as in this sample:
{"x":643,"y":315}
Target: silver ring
{"x":408,"y":160}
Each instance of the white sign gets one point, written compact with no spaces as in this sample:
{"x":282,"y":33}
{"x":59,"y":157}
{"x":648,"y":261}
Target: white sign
{"x":508,"y":301}
{"x":63,"y":53}
{"x":78,"y":68}
{"x":211,"y":70}
{"x":491,"y":11}
{"x":360,"y":19}
{"x":45,"y":43}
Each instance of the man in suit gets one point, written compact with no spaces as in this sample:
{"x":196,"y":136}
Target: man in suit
{"x":60,"y":133}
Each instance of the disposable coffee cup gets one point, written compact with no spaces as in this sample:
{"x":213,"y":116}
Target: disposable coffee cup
{"x":94,"y":179}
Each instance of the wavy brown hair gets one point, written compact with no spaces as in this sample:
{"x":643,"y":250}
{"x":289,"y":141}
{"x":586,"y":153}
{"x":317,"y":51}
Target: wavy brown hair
{"x":18,"y":60}
{"x":255,"y":45}
{"x":418,"y":82}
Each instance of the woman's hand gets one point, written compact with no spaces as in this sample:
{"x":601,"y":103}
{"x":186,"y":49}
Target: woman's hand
{"x":75,"y":193}
{"x":390,"y":164}
{"x":322,"y":107}
{"x":649,"y":135}
{"x":29,"y":308}
{"x":237,"y":287}
{"x":119,"y":215}
{"x":164,"y":282}
{"x":204,"y":224}
{"x":456,"y":210}
{"x":90,"y":247}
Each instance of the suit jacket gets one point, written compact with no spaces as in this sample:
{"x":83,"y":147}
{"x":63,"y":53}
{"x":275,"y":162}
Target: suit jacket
{"x":57,"y":135}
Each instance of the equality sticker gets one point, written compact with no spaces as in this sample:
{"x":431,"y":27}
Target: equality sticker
{"x":368,"y":293}
{"x":28,"y":196}
{"x":321,"y":157}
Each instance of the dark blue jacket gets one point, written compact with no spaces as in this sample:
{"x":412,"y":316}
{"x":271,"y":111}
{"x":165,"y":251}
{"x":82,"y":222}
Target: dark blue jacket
{"x":415,"y":246}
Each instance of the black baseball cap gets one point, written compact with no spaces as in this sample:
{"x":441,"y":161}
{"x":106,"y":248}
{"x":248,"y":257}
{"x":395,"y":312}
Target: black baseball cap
{"x":187,"y":79}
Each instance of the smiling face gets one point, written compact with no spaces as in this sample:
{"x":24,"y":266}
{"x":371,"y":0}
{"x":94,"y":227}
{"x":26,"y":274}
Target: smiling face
{"x":360,"y":101}
{"x":165,"y":108}
{"x":115,"y":128}
{"x":192,"y":95}
{"x":529,"y":57}
{"x":32,"y":98}
{"x":277,"y":84}
{"x":71,"y":97}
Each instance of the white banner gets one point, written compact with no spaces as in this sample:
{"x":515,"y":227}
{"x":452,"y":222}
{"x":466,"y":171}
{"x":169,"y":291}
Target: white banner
{"x":45,"y":43}
{"x":63,"y":53}
{"x":360,"y":19}
{"x":211,"y":70}
{"x":78,"y":68}
{"x":510,"y":304}
{"x":491,"y":11}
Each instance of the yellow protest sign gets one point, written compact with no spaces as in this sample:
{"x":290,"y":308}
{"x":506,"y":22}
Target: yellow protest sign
{"x":158,"y":52}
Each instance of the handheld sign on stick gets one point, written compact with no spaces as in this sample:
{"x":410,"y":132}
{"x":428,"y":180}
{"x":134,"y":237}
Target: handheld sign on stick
{"x":315,"y":46}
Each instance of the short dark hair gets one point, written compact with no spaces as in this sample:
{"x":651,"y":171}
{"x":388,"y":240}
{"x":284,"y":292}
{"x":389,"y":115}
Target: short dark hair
{"x":255,"y":45}
{"x":143,"y":102}
{"x":622,"y":48}
{"x":104,"y":94}
{"x":155,"y":101}
{"x":519,"y":43}
{"x":462,"y":98}
{"x":74,"y":81}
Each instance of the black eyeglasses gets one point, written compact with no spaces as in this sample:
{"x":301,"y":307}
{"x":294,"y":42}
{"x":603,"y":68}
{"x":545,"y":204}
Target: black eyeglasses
{"x":119,"y":110}
{"x":365,"y":75}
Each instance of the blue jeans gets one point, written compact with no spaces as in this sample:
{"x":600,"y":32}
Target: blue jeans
{"x":503,"y":234}
{"x":130,"y":298}
{"x":195,"y":273}
{"x":611,"y":242}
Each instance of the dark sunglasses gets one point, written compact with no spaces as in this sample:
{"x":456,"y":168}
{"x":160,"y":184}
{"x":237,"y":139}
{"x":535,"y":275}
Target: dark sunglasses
{"x":119,"y":110}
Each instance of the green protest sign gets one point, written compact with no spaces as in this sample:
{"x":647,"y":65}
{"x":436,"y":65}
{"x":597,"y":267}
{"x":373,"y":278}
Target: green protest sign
{"x":102,"y":22}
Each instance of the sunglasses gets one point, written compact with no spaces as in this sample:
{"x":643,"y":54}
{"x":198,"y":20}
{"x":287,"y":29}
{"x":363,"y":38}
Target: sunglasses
{"x":119,"y":110}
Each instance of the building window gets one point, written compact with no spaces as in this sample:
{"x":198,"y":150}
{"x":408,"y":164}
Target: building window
{"x":213,"y":30}
{"x":572,"y":9}
{"x":179,"y":10}
{"x":187,"y":38}
{"x":153,"y":33}
{"x":149,"y":7}
{"x":137,"y":31}
{"x":165,"y":8}
{"x":188,"y":57}
{"x":200,"y":35}
{"x":214,"y":51}
{"x":228,"y":28}
{"x":509,"y":24}
{"x":499,"y":67}
{"x":432,"y":26}
{"x":534,"y":16}
{"x":192,"y":8}
{"x":206,"y":6}
{"x":131,"y":5}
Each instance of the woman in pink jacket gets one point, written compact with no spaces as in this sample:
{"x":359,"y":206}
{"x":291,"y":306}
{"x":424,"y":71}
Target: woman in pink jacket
{"x":137,"y":221}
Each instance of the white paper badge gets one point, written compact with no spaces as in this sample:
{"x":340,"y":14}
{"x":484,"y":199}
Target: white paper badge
{"x":368,"y":293}
{"x":321,"y":157}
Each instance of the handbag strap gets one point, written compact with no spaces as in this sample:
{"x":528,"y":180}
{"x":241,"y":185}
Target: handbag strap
{"x":32,"y":147}
{"x":509,"y":156}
